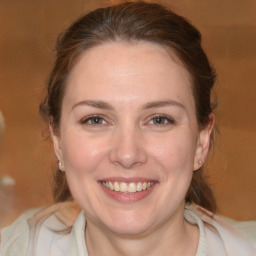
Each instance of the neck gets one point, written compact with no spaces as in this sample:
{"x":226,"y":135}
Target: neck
{"x":174,"y":237}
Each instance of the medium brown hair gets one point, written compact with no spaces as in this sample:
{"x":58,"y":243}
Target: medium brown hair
{"x":133,"y":22}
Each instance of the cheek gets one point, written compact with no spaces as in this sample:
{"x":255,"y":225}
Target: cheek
{"x":175,"y":157}
{"x":82,"y":154}
{"x":175,"y":153}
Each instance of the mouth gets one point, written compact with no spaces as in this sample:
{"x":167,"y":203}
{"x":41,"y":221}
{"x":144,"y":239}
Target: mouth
{"x":128,"y":187}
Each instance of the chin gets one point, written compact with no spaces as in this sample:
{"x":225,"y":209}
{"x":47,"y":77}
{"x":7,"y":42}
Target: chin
{"x":129,"y":223}
{"x":130,"y":229}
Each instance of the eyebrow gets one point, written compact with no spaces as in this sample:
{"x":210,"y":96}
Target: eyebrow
{"x":94,"y":104}
{"x":166,"y":103}
{"x":107,"y":106}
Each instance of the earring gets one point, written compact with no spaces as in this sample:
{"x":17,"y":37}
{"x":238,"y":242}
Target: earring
{"x":59,"y":165}
{"x":199,"y":161}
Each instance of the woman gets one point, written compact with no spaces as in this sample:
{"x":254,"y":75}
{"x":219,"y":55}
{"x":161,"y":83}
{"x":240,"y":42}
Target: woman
{"x":131,"y":120}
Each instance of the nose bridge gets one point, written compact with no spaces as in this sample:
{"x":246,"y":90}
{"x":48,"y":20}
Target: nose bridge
{"x":127,"y":147}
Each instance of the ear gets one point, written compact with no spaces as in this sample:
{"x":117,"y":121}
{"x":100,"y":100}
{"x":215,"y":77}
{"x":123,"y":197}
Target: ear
{"x":57,"y":145}
{"x":203,"y":143}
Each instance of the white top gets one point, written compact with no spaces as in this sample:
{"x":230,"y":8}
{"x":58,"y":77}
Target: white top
{"x":58,"y":230}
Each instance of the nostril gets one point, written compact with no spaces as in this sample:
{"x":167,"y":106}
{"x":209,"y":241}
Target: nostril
{"x":127,"y":148}
{"x":128,"y":160}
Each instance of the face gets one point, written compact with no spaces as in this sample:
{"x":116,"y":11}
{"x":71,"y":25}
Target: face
{"x":129,"y":139}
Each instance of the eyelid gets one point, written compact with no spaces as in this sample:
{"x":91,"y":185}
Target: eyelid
{"x":170,"y":119}
{"x":85,"y":119}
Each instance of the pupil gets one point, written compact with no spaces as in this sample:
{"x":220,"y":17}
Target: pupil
{"x":96,"y":120}
{"x":159,"y":120}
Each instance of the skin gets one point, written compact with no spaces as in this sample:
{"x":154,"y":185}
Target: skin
{"x":145,"y":126}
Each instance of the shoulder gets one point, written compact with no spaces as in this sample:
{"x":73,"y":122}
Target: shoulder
{"x":22,"y":236}
{"x":16,"y":236}
{"x":247,"y":228}
{"x":218,"y":233}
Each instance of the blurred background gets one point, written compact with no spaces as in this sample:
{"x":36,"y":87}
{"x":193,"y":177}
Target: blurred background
{"x":28,"y":30}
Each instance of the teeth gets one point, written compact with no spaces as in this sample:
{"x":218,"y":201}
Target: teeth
{"x":111,"y":186}
{"x":139,"y":186}
{"x":132,"y":187}
{"x":116,"y":186}
{"x":123,"y":187}
{"x":127,"y":187}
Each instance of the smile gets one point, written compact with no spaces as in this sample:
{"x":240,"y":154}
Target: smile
{"x":124,"y":187}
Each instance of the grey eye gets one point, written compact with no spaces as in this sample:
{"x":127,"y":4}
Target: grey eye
{"x":162,"y":120}
{"x":96,"y":120}
{"x":93,"y":120}
{"x":159,"y":120}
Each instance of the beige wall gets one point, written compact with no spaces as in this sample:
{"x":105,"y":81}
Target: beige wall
{"x":27,"y":34}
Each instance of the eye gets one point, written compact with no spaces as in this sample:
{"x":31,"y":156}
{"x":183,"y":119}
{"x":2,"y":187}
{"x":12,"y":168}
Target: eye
{"x":93,"y":120}
{"x":161,"y":120}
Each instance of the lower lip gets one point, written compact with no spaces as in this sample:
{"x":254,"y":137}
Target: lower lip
{"x":127,"y":198}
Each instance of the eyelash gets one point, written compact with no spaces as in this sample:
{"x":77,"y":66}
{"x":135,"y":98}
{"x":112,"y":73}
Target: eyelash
{"x":87,"y":119}
{"x":168,"y":120}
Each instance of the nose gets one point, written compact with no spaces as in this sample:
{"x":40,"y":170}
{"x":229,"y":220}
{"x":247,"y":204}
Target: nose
{"x":128,"y":149}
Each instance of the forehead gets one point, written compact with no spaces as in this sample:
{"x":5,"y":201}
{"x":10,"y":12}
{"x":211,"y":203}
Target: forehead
{"x":129,"y":70}
{"x":128,"y":55}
